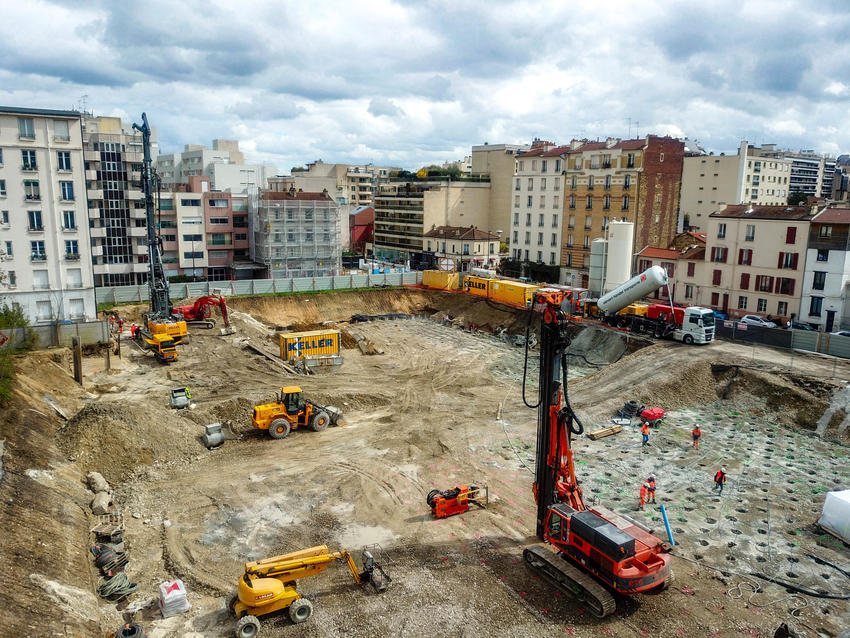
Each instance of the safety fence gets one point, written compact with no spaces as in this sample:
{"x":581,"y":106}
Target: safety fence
{"x":822,"y":342}
{"x":248,"y":287}
{"x":58,"y":334}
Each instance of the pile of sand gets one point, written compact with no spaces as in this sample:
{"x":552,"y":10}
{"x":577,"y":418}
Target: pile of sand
{"x":114,"y":438}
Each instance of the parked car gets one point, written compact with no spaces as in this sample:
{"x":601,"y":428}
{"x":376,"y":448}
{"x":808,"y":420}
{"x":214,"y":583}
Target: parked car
{"x":720,"y":316}
{"x":798,"y":325}
{"x":841,"y":333}
{"x":755,"y":320}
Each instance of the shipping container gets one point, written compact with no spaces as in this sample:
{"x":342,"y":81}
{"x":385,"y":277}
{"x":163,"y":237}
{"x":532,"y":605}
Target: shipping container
{"x":478,"y":286}
{"x":441,"y":279}
{"x":295,"y":345}
{"x":512,"y":292}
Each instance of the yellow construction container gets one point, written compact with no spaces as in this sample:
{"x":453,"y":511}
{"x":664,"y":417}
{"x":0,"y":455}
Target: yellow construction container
{"x":636,"y":309}
{"x":315,"y":343}
{"x":512,"y":292}
{"x":441,"y":279}
{"x":478,"y":286}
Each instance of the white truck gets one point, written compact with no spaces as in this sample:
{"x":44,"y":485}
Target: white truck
{"x":691,"y":324}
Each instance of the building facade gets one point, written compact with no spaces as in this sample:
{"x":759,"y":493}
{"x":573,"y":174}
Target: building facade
{"x":465,"y":247}
{"x":351,"y":185}
{"x":538,"y":205}
{"x":224,"y":164}
{"x":404,"y":211}
{"x":825,"y":303}
{"x":497,"y":162}
{"x":45,"y":256}
{"x":296,"y":233}
{"x":361,"y":229}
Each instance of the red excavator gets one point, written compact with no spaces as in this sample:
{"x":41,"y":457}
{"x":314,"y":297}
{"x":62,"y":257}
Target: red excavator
{"x":200,"y":313}
{"x":591,"y":552}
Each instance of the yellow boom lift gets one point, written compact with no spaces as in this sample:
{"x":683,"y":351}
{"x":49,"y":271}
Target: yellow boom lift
{"x":268,"y":585}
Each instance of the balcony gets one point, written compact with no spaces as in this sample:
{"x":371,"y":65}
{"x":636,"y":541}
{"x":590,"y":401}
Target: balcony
{"x":98,"y":231}
{"x":91,"y":156}
{"x":139,"y":231}
{"x":38,"y":257}
{"x":134,"y":194}
{"x":32,"y":197}
{"x":69,"y":229}
{"x":91,"y":175}
{"x":72,"y":256}
{"x":95,"y":194}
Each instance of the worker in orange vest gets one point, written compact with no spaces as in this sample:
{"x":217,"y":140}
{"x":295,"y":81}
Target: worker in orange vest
{"x":644,"y":491}
{"x":644,"y":430}
{"x":696,"y":433}
{"x":720,"y":479}
{"x":651,"y":487}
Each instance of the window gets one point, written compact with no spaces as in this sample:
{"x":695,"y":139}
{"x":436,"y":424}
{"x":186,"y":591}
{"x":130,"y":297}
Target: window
{"x":218,"y":203}
{"x":587,"y":221}
{"x":528,"y":203}
{"x":28,"y":162}
{"x":169,"y":238}
{"x":589,"y":203}
{"x":60,"y":130}
{"x":37,"y":251}
{"x":64,"y":158}
{"x":691,"y":268}
{"x":572,"y":201}
{"x":12,"y":279}
{"x":578,"y":163}
{"x":26,"y":129}
{"x":31,"y":190}
{"x":9,"y":249}
{"x":69,"y":221}
{"x":823,"y":255}
{"x":630,"y":160}
{"x":539,"y":239}
{"x":718,"y":254}
{"x":516,"y":219}
{"x":825,"y":231}
{"x":527,"y":240}
{"x":522,"y":165}
{"x":745,"y":256}
{"x":625,"y":202}
{"x":644,"y":264}
{"x":190,"y":202}
{"x":557,"y":166}
{"x":788,"y":261}
{"x":543,"y":170}
{"x":540,"y":219}
{"x":715,"y":298}
{"x":195,"y":238}
{"x":764,"y":283}
{"x":198,"y":254}
{"x":815,"y":306}
{"x":531,"y":183}
{"x":791,"y":235}
{"x":543,"y":182}
{"x":785,"y":286}
{"x":627,"y":182}
{"x":516,"y":236}
{"x":2,"y":188}
{"x":67,"y":189}
{"x":573,"y":182}
{"x":34,"y":217}
{"x":819,"y":280}
{"x":587,"y":241}
{"x":605,"y":222}
{"x":742,"y":303}
{"x":516,"y":201}
{"x":557,"y":185}
{"x":607,"y":182}
{"x":43,"y":310}
{"x":551,"y":259}
{"x":555,"y":203}
{"x":72,"y":249}
{"x":745,"y":281}
{"x":689,"y":292}
{"x":543,"y":201}
{"x":539,"y":257}
{"x":191,"y":220}
{"x":721,"y":231}
{"x":516,"y":187}
{"x":782,"y":308}
{"x":528,"y":219}
{"x":606,"y":202}
{"x":590,"y":182}
{"x":534,"y":165}
{"x":569,"y":241}
{"x":219,"y":220}
{"x":715,"y":278}
{"x":569,"y":260}
{"x":751,"y":233}
{"x":466,"y":249}
{"x":571,"y":222}
{"x":761,"y":305}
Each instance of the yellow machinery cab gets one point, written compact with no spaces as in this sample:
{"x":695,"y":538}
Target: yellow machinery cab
{"x":175,"y":329}
{"x":164,"y":348}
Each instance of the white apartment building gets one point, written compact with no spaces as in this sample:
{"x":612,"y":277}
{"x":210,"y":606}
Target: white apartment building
{"x":224,"y":164}
{"x":536,"y":217}
{"x":497,"y":162}
{"x":759,"y":176}
{"x":351,"y":185}
{"x":45,"y":260}
{"x":825,"y":302}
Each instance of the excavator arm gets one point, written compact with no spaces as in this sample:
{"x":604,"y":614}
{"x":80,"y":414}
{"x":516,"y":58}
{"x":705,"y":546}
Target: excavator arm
{"x":202,"y":309}
{"x":297,"y":565}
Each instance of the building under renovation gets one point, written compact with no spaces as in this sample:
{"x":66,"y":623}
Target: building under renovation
{"x":296,"y":233}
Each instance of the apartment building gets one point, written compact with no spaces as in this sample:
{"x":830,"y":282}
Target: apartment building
{"x":351,"y":185}
{"x":636,"y":180}
{"x":538,"y":204}
{"x":756,"y":257}
{"x":466,"y":247}
{"x":361,"y":229}
{"x":45,"y":259}
{"x":296,"y":233}
{"x":825,"y":303}
{"x":759,"y":176}
{"x":116,"y":206}
{"x":497,"y":163}
{"x":224,"y":164}
{"x":405,"y":210}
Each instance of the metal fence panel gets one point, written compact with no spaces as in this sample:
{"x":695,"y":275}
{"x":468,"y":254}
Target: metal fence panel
{"x":342,"y":281}
{"x":89,"y":332}
{"x":360,"y":281}
{"x":242,"y":287}
{"x":836,"y":345}
{"x":805,"y":340}
{"x":263,"y":286}
{"x":283,"y":285}
{"x":302,"y":284}
{"x":323,"y":283}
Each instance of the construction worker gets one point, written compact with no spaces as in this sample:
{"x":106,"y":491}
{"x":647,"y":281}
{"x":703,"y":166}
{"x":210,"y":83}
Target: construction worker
{"x":644,"y":492}
{"x":720,"y":479}
{"x":696,"y":434}
{"x":644,"y":430}
{"x":651,"y":486}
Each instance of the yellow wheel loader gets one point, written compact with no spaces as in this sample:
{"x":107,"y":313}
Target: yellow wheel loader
{"x":268,"y":585}
{"x":291,"y":411}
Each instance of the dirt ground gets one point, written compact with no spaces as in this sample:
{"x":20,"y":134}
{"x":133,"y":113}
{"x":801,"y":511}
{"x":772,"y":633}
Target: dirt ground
{"x":442,"y":406}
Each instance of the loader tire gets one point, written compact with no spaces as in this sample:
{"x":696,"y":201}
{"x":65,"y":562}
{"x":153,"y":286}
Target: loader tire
{"x":320,"y":421}
{"x":230,"y":601}
{"x":247,"y":627}
{"x":432,"y":497}
{"x":300,"y":610}
{"x":279,"y":429}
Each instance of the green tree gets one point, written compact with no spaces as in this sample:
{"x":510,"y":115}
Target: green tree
{"x":796,"y":198}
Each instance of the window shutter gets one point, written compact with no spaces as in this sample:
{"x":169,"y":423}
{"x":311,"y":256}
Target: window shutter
{"x":790,"y":235}
{"x":781,"y":259}
{"x":745,"y":281}
{"x":725,"y":254}
{"x":778,"y":284}
{"x":740,"y":256}
{"x":691,"y":269}
{"x":716,"y":279}
{"x":791,"y":288}
{"x":794,"y":261}
{"x":749,"y":257}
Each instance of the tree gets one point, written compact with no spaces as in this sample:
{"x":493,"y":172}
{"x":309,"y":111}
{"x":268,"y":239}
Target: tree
{"x":796,"y":198}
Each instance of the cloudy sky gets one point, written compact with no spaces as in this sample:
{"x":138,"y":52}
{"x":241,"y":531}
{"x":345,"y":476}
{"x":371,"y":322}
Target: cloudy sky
{"x":408,"y":83}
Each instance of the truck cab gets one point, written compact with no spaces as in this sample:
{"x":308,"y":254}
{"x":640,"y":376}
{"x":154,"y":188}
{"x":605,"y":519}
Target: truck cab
{"x":697,"y":326}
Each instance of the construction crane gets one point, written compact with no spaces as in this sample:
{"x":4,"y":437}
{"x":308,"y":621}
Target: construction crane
{"x":200,"y":313}
{"x":590,"y":552}
{"x":159,"y":320}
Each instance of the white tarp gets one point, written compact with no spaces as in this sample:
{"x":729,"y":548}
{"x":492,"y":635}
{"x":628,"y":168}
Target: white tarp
{"x":836,"y":514}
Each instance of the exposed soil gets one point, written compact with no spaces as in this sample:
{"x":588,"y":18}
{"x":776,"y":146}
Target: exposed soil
{"x":442,"y":406}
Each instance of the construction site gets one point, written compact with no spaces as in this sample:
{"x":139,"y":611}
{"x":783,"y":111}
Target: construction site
{"x":426,"y":404}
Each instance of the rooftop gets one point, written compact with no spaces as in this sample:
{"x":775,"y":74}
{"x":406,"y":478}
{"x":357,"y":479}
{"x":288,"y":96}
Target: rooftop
{"x":694,"y":252}
{"x":659,"y":253}
{"x":833,"y":215}
{"x":801,"y":213}
{"x":460,"y":232}
{"x":18,"y":110}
